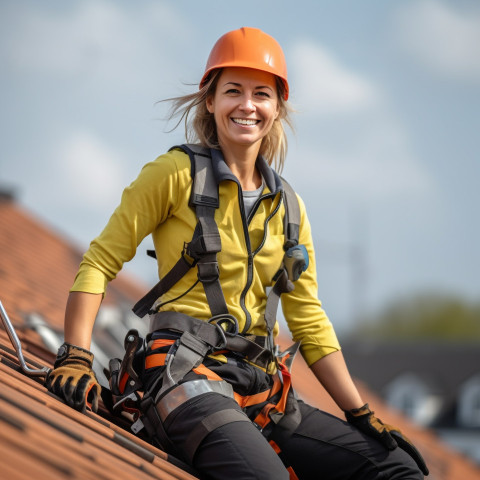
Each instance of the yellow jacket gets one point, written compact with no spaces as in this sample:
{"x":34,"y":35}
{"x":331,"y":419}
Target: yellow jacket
{"x":157,"y":203}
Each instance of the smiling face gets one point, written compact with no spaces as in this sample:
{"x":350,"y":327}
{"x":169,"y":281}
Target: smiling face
{"x":244,"y":106}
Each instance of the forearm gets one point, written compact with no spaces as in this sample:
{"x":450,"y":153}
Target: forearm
{"x":332,"y":372}
{"x":80,"y":314}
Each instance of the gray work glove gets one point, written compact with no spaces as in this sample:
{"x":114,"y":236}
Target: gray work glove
{"x":73,"y":379}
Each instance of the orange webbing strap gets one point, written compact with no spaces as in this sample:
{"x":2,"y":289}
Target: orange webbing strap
{"x":249,"y":400}
{"x":161,"y":342}
{"x":150,"y":362}
{"x":263,"y":418}
{"x":155,"y":360}
{"x":287,"y":382}
{"x":278,"y":451}
{"x":203,"y":370}
{"x":158,"y":359}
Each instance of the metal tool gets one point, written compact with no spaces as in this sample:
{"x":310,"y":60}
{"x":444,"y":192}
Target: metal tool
{"x":12,"y":334}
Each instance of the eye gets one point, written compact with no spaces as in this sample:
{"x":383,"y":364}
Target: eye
{"x":233,"y":91}
{"x":263,"y":93}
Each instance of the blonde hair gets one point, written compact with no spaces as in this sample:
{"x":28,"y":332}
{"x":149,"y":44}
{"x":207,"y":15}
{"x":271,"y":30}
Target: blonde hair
{"x":202,"y":129}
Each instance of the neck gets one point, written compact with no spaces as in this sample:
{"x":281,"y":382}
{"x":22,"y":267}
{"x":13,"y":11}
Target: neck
{"x":241,"y":162}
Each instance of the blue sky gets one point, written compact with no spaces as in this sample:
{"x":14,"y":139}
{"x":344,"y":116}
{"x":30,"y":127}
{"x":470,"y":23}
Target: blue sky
{"x":386,"y":145}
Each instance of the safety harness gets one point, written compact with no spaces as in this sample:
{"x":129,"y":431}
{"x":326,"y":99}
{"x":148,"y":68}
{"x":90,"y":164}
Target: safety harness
{"x":192,"y":340}
{"x":202,"y":250}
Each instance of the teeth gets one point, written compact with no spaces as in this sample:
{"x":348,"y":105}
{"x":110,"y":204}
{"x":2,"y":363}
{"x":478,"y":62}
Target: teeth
{"x":243,"y":121}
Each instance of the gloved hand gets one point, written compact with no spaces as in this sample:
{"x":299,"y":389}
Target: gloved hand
{"x":391,"y":437}
{"x":73,"y":379}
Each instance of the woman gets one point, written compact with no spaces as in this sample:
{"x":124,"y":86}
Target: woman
{"x":215,"y":393}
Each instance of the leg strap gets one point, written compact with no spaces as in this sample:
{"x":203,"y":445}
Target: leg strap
{"x":189,"y":390}
{"x":208,"y":425}
{"x":190,"y":354}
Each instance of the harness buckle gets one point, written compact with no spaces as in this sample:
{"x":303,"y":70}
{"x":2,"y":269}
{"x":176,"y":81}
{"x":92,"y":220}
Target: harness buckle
{"x":208,"y":272}
{"x":187,"y":256}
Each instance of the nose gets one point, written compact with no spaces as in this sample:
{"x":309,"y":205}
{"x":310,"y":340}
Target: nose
{"x":247,"y":104}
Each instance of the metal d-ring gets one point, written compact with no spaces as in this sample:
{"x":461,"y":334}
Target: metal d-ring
{"x":223,"y":345}
{"x":229,"y":319}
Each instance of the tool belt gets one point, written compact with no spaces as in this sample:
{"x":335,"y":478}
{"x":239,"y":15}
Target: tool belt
{"x":179,"y":348}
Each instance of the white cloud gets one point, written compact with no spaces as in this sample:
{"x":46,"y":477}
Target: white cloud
{"x":442,"y":36}
{"x":324,"y":85}
{"x":91,"y":171}
{"x":375,"y":165}
{"x":98,"y":38}
{"x":356,"y":147}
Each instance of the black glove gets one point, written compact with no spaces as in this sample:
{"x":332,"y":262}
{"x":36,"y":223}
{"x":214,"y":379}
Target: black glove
{"x":73,"y":379}
{"x":365,"y":420}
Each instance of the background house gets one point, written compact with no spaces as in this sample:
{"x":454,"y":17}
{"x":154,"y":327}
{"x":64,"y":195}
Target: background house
{"x":41,"y":436}
{"x":436,"y":384}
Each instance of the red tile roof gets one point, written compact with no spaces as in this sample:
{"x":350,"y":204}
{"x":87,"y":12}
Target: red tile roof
{"x":42,"y":437}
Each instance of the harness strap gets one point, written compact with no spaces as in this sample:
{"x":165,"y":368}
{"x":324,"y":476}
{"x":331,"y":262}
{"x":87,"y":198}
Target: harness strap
{"x":292,"y":215}
{"x":277,"y":412}
{"x":205,"y":244}
{"x":189,"y":354}
{"x":208,"y":425}
{"x":206,"y":239}
{"x":189,"y":390}
{"x":282,"y":285}
{"x":250,"y":400}
{"x":213,"y":335}
{"x":158,"y":360}
{"x":183,"y":265}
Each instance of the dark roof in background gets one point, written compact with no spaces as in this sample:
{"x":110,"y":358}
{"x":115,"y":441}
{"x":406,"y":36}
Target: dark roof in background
{"x":42,"y":437}
{"x":443,"y":366}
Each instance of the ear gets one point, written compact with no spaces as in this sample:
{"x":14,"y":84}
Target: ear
{"x":209,"y":103}
{"x":277,"y":112}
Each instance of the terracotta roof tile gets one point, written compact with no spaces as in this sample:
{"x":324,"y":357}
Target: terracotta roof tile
{"x":45,"y":435}
{"x":40,"y":437}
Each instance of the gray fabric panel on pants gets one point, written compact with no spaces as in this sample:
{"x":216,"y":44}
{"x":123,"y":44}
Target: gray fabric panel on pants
{"x":210,"y":423}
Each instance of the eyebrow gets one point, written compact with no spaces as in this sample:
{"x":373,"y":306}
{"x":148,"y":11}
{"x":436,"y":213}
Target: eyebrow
{"x":239,"y":85}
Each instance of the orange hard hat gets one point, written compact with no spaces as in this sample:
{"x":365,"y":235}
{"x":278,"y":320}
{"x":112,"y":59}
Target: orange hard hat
{"x":251,"y":48}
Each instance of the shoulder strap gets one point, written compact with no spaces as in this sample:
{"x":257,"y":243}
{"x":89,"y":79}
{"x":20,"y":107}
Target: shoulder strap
{"x":206,"y":241}
{"x":204,"y":187}
{"x":292,"y":215}
{"x":205,"y":244}
{"x":283,"y":284}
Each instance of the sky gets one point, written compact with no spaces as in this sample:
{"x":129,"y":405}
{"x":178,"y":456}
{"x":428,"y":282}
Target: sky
{"x":385,"y":151}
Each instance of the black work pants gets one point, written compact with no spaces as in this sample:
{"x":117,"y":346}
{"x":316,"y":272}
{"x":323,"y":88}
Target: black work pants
{"x":321,"y":446}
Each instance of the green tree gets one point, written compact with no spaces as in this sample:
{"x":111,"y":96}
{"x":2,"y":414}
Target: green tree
{"x":426,"y":316}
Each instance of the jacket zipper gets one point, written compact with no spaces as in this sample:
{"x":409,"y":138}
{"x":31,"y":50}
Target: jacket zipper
{"x":251,"y":255}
